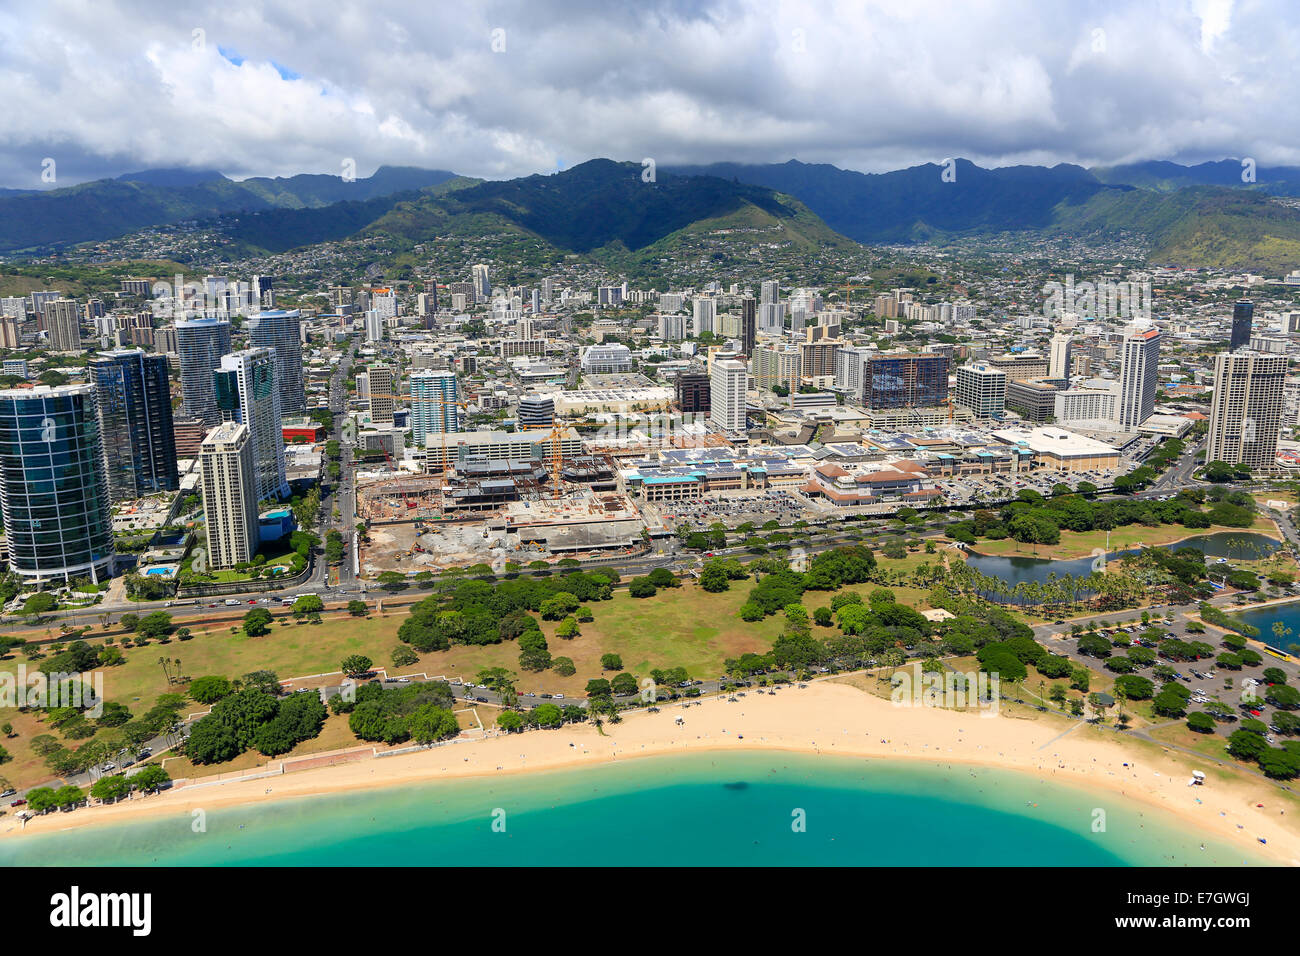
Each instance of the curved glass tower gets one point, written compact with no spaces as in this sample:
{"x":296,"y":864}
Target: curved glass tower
{"x":200,"y":344}
{"x":53,"y":486}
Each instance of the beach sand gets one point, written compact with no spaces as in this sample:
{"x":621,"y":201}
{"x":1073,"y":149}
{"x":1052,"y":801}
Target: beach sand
{"x":826,"y":716}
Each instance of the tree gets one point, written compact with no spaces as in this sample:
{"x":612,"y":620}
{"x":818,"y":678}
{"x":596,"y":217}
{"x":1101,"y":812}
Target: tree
{"x":624,"y":684}
{"x":1200,"y":722}
{"x":357,"y":608}
{"x":641,"y":588}
{"x":511,"y":721}
{"x":38,"y":604}
{"x":564,"y":666}
{"x":257,"y":622}
{"x":355,"y":665}
{"x":155,"y":625}
{"x":209,"y":690}
{"x":611,"y":662}
{"x":151,"y":778}
{"x":307,"y":604}
{"x":110,"y":789}
{"x":403,"y":656}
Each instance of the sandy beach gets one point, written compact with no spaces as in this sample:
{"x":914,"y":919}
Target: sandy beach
{"x":828,"y":717}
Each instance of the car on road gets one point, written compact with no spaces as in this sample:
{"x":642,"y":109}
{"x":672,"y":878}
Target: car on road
{"x":559,"y":697}
{"x":9,"y":793}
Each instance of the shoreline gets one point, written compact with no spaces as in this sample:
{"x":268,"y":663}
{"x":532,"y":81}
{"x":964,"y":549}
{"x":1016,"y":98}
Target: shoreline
{"x":813,"y":720}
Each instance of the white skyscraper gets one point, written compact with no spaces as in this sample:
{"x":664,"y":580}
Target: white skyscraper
{"x":229,"y":495}
{"x":728,"y":382}
{"x":1059,"y":356}
{"x":482,"y":284}
{"x":374,"y":326}
{"x":982,"y":389}
{"x":1246,"y":410}
{"x":706,"y":310}
{"x":1138,"y":375}
{"x":247,"y":392}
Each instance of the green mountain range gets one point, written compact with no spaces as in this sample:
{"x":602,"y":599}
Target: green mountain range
{"x":108,"y":208}
{"x":1204,"y":215}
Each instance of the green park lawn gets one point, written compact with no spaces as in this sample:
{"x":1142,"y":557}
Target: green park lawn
{"x":1080,"y":544}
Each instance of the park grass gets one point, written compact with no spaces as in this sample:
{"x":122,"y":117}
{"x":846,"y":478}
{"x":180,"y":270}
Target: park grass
{"x":1210,"y":745}
{"x":1081,"y":544}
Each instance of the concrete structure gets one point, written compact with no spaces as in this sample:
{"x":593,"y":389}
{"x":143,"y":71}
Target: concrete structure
{"x":536,"y":411}
{"x":1058,"y":365}
{"x":229,"y":495}
{"x":1139,"y":375}
{"x":1246,"y":409}
{"x":1059,"y":450}
{"x":728,"y":383}
{"x":380,"y":391}
{"x":521,"y":446}
{"x":982,"y":389}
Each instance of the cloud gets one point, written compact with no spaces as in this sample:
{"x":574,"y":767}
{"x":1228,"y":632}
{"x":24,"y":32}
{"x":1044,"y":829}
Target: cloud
{"x":498,"y":89}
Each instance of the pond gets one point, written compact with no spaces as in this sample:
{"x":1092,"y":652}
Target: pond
{"x":1233,"y":545}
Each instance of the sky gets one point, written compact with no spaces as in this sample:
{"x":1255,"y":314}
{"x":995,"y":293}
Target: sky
{"x":499,"y":88}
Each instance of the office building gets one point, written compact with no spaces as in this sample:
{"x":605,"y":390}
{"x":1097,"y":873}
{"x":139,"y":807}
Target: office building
{"x":777,"y":365}
{"x":53,"y":487}
{"x":247,"y":392}
{"x":748,"y":326}
{"x":1033,"y":401}
{"x":1139,"y":377}
{"x":982,"y":390}
{"x":229,"y":484}
{"x":381,"y":393}
{"x":280,"y":330}
{"x":135,"y":422}
{"x":899,"y":380}
{"x":692,"y":392}
{"x":536,"y":411}
{"x":728,"y":383}
{"x":1246,"y":409}
{"x":1243,"y":317}
{"x":434,"y":404}
{"x":200,"y":343}
{"x":606,"y":358}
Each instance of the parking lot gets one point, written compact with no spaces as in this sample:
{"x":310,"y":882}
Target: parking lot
{"x":783,"y":505}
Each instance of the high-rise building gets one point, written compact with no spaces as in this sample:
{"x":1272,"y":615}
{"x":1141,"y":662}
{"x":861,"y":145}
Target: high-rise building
{"x":135,"y":422}
{"x":728,"y":383}
{"x":777,"y":365}
{"x":247,"y":393}
{"x":1139,"y":375}
{"x":281,"y":331}
{"x":903,"y":381}
{"x":53,"y":487}
{"x":10,"y":336}
{"x":200,"y":343}
{"x":63,"y":323}
{"x":382,"y":396}
{"x":229,"y":486}
{"x":982,"y":389}
{"x":434,"y":394}
{"x":536,"y":411}
{"x":482,"y":284}
{"x":1243,"y":316}
{"x":693,"y":392}
{"x":374,"y":326}
{"x":705,"y":312}
{"x":1246,"y":409}
{"x":769,"y":292}
{"x":748,"y":325}
{"x":189,"y":434}
{"x":1058,"y":365}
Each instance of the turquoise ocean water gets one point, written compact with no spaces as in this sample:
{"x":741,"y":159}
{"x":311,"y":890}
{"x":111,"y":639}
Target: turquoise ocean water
{"x":696,"y":809}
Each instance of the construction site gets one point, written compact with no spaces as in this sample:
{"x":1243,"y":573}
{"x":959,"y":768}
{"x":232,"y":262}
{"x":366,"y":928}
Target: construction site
{"x":542,"y":529}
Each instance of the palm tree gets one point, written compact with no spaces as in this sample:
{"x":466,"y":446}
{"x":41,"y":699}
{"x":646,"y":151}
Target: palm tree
{"x":166,"y":673}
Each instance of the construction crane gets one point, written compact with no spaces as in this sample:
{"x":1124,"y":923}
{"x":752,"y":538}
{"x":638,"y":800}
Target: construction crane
{"x":557,"y":460}
{"x":848,"y":293}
